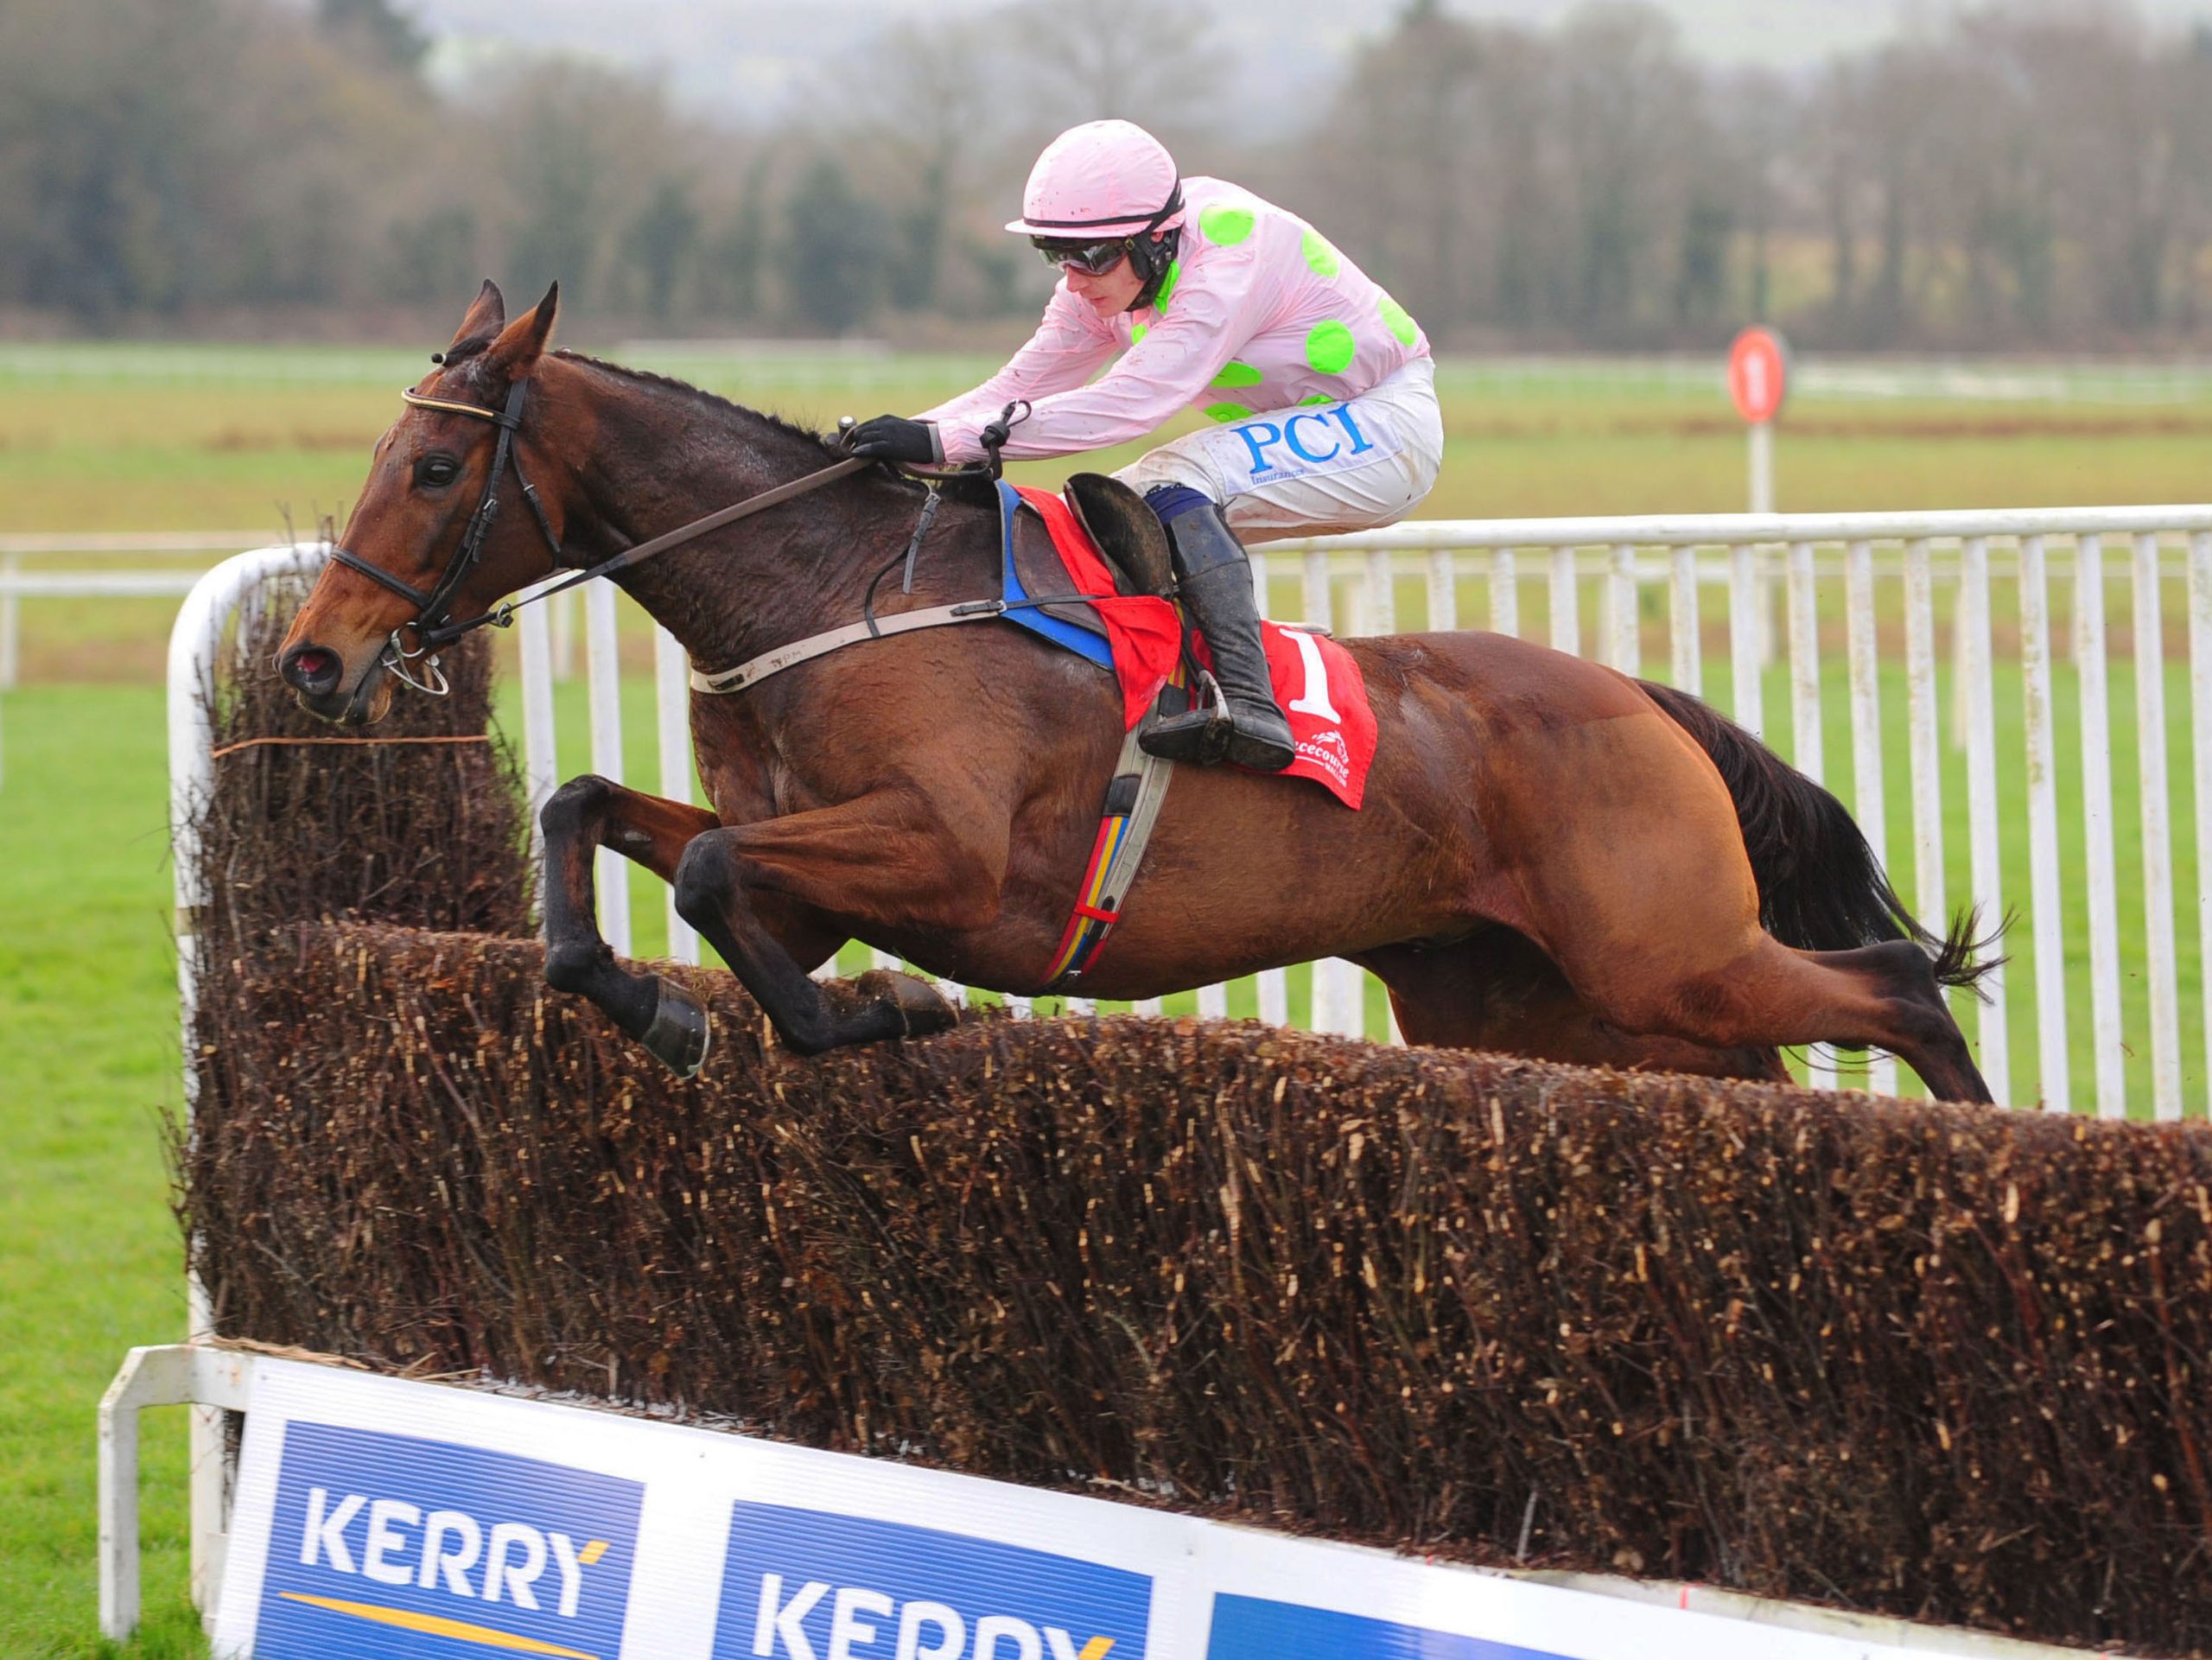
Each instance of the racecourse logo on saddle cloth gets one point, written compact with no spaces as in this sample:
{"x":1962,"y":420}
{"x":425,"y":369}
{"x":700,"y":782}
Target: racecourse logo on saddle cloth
{"x":1316,"y":682}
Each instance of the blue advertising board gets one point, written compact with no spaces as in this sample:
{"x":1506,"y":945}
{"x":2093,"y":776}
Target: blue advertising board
{"x":394,"y":1548}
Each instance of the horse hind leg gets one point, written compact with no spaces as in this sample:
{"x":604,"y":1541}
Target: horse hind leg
{"x":1883,"y":996}
{"x":1644,"y":895}
{"x":1498,"y":991}
{"x":1912,"y":1017}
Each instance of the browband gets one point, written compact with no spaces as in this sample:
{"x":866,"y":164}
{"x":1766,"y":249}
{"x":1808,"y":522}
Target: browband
{"x":498,"y":417}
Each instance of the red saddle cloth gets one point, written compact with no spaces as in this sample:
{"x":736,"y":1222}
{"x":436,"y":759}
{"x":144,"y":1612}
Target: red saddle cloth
{"x":1317,"y":683}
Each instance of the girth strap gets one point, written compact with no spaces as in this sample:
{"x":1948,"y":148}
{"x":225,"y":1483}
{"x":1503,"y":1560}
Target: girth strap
{"x":1133,"y":797}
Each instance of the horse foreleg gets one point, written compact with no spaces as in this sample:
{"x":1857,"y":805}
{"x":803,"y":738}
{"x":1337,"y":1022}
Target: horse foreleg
{"x":842,"y":860}
{"x":579,"y":817}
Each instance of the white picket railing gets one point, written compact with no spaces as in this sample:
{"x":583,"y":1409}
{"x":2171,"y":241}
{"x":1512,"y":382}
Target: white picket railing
{"x":43,"y":566}
{"x":1878,"y":580}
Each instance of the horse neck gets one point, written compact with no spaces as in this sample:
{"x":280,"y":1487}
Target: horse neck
{"x":798,"y":569}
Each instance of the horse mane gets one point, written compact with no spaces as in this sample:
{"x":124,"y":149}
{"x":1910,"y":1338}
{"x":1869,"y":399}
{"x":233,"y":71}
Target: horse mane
{"x":824,"y":445}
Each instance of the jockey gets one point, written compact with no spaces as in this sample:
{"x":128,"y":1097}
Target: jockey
{"x":1321,"y":388}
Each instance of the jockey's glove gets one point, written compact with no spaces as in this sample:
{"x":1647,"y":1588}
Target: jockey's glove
{"x":895,"y":438}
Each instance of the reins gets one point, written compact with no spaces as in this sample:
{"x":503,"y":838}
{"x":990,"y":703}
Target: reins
{"x":502,"y":614}
{"x":433,"y":629}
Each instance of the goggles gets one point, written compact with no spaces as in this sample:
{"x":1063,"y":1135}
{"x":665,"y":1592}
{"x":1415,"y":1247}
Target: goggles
{"x":1093,"y":258}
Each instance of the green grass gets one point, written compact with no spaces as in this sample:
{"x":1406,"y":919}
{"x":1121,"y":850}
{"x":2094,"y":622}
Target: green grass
{"x":90,"y":1264}
{"x":112,"y":438}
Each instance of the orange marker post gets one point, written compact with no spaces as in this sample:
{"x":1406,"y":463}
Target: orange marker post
{"x":1758,"y":379}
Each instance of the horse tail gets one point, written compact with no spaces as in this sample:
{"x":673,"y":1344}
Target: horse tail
{"x":1820,"y":888}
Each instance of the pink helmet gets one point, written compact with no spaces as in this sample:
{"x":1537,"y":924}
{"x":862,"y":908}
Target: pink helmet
{"x":1102,"y":179}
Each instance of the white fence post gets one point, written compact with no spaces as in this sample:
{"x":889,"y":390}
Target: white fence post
{"x":1980,"y":695}
{"x":541,"y":766}
{"x":2157,"y":837}
{"x":2200,"y":712}
{"x":1443,"y":591}
{"x":1923,"y":714}
{"x":1567,"y":617}
{"x":2053,"y":1063}
{"x":1624,"y":589}
{"x":1747,"y":637}
{"x":1505,"y":593}
{"x":2096,"y":820}
{"x":672,"y":705}
{"x":11,"y":637}
{"x":195,"y":641}
{"x":1805,"y":628}
{"x":602,"y":653}
{"x":1869,"y":803}
{"x":1687,"y":657}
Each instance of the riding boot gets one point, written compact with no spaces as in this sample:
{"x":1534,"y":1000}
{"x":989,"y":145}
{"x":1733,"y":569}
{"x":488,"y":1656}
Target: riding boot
{"x":1216,"y":583}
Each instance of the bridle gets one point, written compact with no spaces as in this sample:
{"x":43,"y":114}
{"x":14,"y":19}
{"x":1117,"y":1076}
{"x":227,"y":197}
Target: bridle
{"x":432,"y":623}
{"x":433,"y":626}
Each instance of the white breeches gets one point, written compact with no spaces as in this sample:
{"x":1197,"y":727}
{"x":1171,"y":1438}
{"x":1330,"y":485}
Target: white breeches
{"x":1313,"y":470}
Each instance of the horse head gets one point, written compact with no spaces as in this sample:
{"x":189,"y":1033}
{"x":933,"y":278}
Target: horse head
{"x":426,"y":542}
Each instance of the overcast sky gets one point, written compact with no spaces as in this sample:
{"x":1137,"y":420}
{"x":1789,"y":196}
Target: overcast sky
{"x":752,"y":55}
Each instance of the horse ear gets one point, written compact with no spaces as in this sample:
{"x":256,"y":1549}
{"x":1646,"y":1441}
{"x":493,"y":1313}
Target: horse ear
{"x":523,"y":341}
{"x":486,"y":316}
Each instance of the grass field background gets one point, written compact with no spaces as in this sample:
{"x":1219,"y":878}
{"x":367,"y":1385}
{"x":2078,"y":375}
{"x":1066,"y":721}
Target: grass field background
{"x":124,"y":437}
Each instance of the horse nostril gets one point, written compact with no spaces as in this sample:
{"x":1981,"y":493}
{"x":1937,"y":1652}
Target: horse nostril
{"x":310,"y":669}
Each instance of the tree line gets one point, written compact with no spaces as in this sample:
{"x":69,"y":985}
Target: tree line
{"x":2035,"y":175}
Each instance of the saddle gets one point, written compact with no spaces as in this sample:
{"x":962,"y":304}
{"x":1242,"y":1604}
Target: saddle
{"x":1126,"y":534}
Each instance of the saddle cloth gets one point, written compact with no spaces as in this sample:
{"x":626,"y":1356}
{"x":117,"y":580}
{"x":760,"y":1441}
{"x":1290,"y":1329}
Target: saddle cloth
{"x":1317,"y":683}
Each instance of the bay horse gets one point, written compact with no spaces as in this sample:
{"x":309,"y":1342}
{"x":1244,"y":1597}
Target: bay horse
{"x":1553,"y":859}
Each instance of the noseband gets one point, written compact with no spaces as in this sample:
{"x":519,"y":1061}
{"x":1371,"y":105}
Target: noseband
{"x":432,"y":624}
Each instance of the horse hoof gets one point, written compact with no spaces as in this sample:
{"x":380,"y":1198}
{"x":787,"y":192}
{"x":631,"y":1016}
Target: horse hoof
{"x":680,"y":1033}
{"x":921,"y":1007}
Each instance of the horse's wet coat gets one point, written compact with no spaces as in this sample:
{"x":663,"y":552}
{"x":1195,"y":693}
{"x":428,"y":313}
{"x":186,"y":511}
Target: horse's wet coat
{"x":1546,"y":862}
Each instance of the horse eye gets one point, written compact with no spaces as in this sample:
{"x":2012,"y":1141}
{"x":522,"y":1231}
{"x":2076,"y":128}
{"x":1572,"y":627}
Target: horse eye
{"x":435,"y":470}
